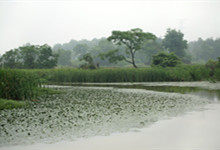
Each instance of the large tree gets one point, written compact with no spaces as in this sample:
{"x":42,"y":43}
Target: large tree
{"x":132,"y":41}
{"x":29,"y":56}
{"x":46,"y":58}
{"x":175,"y":43}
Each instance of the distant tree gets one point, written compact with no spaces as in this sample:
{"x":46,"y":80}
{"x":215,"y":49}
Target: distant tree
{"x":80,"y":50}
{"x":46,"y":58}
{"x":64,"y":58}
{"x":89,"y":62}
{"x":132,"y":41}
{"x":203,"y":50}
{"x":149,"y":49}
{"x":29,"y":57}
{"x":165,"y":59}
{"x":11,"y":59}
{"x":175,"y":43}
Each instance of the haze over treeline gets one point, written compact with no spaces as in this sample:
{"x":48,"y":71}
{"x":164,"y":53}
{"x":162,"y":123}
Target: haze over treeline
{"x":106,"y":53}
{"x":199,"y":51}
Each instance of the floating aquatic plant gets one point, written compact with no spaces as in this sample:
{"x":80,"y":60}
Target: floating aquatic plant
{"x":87,"y":111}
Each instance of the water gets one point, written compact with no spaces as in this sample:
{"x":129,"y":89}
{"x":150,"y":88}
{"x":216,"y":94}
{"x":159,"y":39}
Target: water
{"x":86,"y":115}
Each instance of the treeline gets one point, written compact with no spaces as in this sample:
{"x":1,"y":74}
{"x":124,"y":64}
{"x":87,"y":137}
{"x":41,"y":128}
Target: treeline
{"x":133,"y":48}
{"x":204,"y":50}
{"x":29,"y":57}
{"x":195,"y":52}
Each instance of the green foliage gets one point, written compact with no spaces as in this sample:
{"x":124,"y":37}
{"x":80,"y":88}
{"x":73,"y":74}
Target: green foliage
{"x":11,"y":59}
{"x":46,"y":59}
{"x":11,"y":104}
{"x":148,"y":50}
{"x":165,"y":59}
{"x":211,"y":64}
{"x":89,"y":62}
{"x":18,"y":84}
{"x":112,"y":56}
{"x":132,"y":40}
{"x":174,"y":42}
{"x":81,"y":49}
{"x":180,"y":73}
{"x":203,"y":50}
{"x":29,"y":57}
{"x":217,"y":74}
{"x":64,"y":58}
{"x":214,"y":67}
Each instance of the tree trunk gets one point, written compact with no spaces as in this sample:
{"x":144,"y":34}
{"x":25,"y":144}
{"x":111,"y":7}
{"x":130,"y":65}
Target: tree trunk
{"x":132,"y":59}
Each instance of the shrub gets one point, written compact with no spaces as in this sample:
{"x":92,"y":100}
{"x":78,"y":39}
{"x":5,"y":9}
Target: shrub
{"x":10,"y":104}
{"x":89,"y":62}
{"x":165,"y":59}
{"x":17,"y":84}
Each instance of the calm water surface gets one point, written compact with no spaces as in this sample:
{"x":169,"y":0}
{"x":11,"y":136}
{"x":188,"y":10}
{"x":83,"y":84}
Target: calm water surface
{"x":176,"y":117}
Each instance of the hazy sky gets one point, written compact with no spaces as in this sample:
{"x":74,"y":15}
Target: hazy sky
{"x":47,"y":21}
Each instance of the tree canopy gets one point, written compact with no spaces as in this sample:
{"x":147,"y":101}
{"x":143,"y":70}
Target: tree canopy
{"x":132,"y":40}
{"x":29,"y":57}
{"x":175,"y":43}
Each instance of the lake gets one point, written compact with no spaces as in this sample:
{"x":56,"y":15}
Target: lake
{"x":166,"y":115}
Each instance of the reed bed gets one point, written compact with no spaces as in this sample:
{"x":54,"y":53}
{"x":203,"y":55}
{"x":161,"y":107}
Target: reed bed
{"x":18,"y":84}
{"x":153,"y":74}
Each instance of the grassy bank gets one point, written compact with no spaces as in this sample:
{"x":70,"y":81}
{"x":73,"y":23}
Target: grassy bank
{"x":180,"y":73}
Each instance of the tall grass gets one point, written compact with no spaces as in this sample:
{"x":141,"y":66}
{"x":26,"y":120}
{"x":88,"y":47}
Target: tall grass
{"x":17,"y":84}
{"x":217,"y":74}
{"x":180,"y":73}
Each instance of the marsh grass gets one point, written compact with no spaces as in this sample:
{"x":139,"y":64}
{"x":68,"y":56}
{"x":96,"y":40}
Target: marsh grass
{"x":18,"y":84}
{"x":153,"y":74}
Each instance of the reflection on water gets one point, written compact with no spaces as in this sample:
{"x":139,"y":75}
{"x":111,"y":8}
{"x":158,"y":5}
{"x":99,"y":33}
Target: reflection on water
{"x":210,"y":94}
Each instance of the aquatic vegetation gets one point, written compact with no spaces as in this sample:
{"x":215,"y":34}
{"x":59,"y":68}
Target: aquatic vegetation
{"x":88,"y":111}
{"x":10,"y":104}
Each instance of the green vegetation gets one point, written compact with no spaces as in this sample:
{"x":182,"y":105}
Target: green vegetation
{"x":10,"y":104}
{"x":89,"y":62}
{"x":132,"y":40}
{"x":133,"y":48}
{"x":168,"y":58}
{"x":175,"y":43}
{"x":88,"y":112}
{"x":165,"y":59}
{"x":214,"y":67}
{"x":203,"y":50}
{"x":18,"y":84}
{"x":179,"y":73}
{"x":29,"y":57}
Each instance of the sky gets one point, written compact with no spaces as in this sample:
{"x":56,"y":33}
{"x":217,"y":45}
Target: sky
{"x":59,"y":21}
